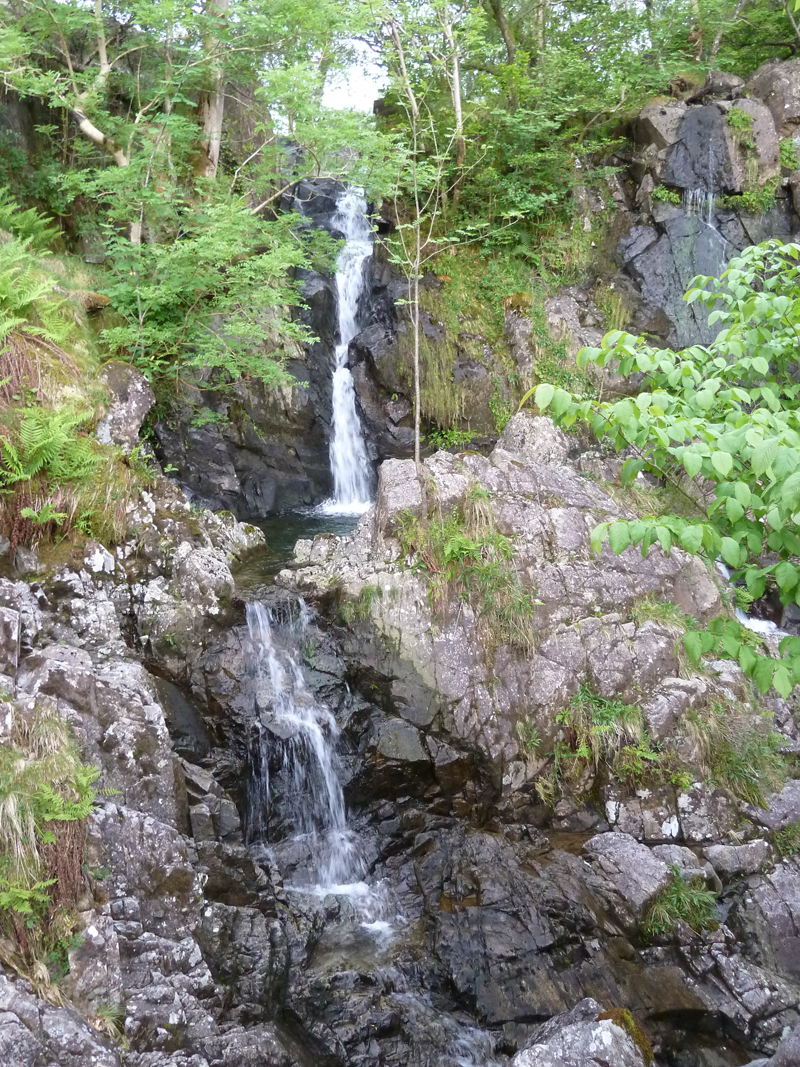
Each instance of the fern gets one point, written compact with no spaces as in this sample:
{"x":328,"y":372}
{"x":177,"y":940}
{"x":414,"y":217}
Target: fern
{"x":23,"y":223}
{"x":46,"y":444}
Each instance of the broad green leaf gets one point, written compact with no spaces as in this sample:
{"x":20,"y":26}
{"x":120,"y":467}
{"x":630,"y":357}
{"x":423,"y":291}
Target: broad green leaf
{"x":730,"y":551}
{"x":691,"y":537}
{"x":560,"y":402}
{"x":619,"y":537}
{"x":599,"y":535}
{"x":783,"y":681}
{"x":722,"y":463}
{"x":763,"y":672}
{"x":790,"y":491}
{"x":747,"y":659}
{"x":664,"y":538}
{"x":734,"y":509}
{"x":692,"y":462}
{"x":786,"y":575}
{"x":693,"y":645}
{"x":763,"y":455}
{"x":543,"y":395}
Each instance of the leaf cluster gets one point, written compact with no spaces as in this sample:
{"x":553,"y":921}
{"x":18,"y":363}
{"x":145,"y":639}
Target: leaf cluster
{"x":724,"y":417}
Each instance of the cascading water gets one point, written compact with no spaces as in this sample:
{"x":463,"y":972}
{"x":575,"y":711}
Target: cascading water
{"x":350,"y":466}
{"x":294,"y":723}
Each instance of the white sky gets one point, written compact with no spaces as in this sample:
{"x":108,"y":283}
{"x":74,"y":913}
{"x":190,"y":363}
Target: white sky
{"x":358,"y":86}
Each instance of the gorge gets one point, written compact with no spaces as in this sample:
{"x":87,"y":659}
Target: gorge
{"x":311,"y":756}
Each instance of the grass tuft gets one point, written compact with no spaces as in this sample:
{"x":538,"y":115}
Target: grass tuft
{"x":682,"y":900}
{"x":467,"y":560}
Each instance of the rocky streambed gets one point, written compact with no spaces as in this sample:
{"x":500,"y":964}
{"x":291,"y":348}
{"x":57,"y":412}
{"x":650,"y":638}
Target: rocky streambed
{"x":325,"y":842}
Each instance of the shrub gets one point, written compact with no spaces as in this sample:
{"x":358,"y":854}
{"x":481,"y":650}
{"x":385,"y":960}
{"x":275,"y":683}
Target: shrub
{"x":669,"y":196}
{"x":725,"y":413}
{"x":788,"y":154}
{"x":682,"y":900}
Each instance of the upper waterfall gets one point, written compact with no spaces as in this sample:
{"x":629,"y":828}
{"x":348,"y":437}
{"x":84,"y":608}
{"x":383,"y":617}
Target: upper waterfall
{"x":350,"y":466}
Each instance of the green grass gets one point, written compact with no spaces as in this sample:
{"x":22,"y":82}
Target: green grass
{"x":46,"y":795}
{"x":360,"y":608}
{"x":650,"y":609}
{"x":787,"y":840}
{"x":466,"y":559}
{"x":529,"y":737}
{"x":682,"y":900}
{"x":738,"y":753}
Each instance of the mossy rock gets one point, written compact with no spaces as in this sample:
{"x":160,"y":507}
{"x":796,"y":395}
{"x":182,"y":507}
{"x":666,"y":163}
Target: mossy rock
{"x":622,"y":1018}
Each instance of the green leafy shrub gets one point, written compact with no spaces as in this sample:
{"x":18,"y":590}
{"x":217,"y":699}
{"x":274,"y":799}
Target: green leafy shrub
{"x":682,"y":900}
{"x":738,"y":752}
{"x":669,"y":196}
{"x":741,"y":122}
{"x":756,"y":201}
{"x":726,"y":413}
{"x":446,"y":439}
{"x":788,"y":154}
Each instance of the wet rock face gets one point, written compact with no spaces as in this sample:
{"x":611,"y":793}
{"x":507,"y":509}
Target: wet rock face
{"x":699,"y":157}
{"x":698,"y":150}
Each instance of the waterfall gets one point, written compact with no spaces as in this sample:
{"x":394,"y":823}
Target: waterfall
{"x":303,"y":733}
{"x":350,"y":466}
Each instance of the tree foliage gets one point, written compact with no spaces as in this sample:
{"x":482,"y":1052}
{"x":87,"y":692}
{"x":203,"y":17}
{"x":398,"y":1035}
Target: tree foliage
{"x":721,"y":424}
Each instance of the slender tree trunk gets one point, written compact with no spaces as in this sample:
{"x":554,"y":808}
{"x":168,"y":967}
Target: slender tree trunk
{"x":455,"y":92}
{"x":394,"y":32}
{"x":212,"y":101}
{"x":538,"y":27}
{"x":715,"y":47}
{"x":697,"y":31}
{"x":506,"y":32}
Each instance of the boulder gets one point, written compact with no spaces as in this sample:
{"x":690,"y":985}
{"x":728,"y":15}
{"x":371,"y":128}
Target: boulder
{"x":778,"y":86}
{"x":700,"y":158}
{"x":659,"y":124}
{"x":130,"y":398}
{"x":398,"y":491}
{"x":732,"y":860}
{"x":629,"y":874}
{"x":578,"y":1038}
{"x":782,"y":808}
{"x":766,"y":141}
{"x":535,"y":438}
{"x":670,"y":702}
{"x":34,"y":1032}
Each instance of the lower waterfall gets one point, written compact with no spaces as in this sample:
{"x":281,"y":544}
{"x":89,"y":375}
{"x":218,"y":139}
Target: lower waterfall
{"x":300,"y":735}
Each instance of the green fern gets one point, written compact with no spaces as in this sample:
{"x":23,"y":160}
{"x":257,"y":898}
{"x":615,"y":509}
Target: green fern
{"x":46,"y":443}
{"x":25,"y":223}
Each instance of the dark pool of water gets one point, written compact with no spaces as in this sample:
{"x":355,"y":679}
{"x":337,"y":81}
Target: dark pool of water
{"x":282,"y":532}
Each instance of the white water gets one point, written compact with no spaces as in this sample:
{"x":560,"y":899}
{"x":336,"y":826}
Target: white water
{"x":312,"y":800}
{"x":350,"y":466}
{"x":765,"y":627}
